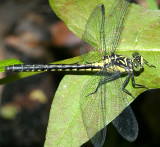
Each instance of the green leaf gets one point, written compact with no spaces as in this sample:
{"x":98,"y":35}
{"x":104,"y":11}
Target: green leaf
{"x":141,"y":32}
{"x":140,"y":25}
{"x":8,"y":62}
{"x":65,"y":126}
{"x":152,"y":4}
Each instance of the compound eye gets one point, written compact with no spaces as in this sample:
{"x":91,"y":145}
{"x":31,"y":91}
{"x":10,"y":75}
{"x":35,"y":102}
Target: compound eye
{"x":135,"y":54}
{"x":136,"y":65}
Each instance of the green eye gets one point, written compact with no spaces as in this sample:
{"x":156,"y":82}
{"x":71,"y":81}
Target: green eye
{"x":135,"y":54}
{"x":136,"y":65}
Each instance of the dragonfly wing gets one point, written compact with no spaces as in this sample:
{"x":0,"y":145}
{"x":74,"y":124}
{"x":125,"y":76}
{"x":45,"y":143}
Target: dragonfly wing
{"x":102,"y":34}
{"x":126,"y":124}
{"x":93,"y":108}
{"x":113,"y":24}
{"x":91,"y":46}
{"x":99,"y":105}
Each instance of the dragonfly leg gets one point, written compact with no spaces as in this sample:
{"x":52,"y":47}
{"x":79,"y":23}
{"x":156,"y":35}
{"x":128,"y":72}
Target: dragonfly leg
{"x":145,"y":61}
{"x":125,"y":83}
{"x":104,"y":81}
{"x":134,"y":84}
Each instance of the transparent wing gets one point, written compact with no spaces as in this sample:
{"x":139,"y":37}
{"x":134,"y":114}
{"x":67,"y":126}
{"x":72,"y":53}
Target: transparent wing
{"x":114,"y":23}
{"x":93,"y":30}
{"x":102,"y":34}
{"x":126,"y":124}
{"x":100,"y":104}
{"x":93,"y":108}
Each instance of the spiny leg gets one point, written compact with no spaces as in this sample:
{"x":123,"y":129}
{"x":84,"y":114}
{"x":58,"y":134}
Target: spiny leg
{"x":134,"y":84}
{"x":145,"y":61}
{"x":104,"y":81}
{"x":125,"y":83}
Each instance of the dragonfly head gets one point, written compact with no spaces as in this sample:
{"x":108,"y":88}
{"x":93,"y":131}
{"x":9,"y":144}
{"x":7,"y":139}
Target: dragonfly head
{"x":138,"y":62}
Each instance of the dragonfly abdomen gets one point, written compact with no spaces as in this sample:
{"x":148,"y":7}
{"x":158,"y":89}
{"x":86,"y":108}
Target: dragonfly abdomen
{"x":53,"y":67}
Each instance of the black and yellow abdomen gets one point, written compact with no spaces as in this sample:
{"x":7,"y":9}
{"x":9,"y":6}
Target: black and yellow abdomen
{"x":53,"y":67}
{"x":109,"y":64}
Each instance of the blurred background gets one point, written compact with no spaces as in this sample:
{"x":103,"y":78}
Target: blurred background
{"x":32,"y":33}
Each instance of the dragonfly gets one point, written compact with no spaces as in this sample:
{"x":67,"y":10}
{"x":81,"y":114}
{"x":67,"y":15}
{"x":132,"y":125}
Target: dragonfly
{"x":100,"y":58}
